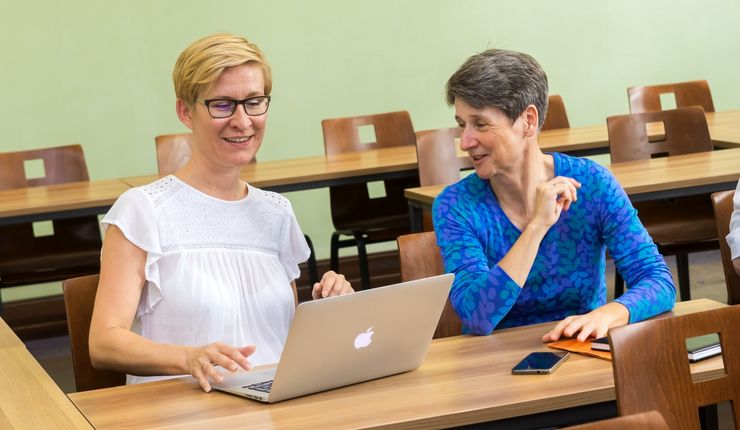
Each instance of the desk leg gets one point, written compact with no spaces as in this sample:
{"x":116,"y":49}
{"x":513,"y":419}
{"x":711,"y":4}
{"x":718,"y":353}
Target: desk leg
{"x":557,"y":418}
{"x":416,"y":217}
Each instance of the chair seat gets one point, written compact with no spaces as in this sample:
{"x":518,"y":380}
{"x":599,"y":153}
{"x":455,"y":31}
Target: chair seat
{"x":678,"y":221}
{"x":47,"y":268}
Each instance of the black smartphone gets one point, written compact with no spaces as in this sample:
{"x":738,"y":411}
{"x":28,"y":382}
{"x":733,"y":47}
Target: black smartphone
{"x":540,"y":363}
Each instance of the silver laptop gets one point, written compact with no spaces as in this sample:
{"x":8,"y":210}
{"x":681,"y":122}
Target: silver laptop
{"x":347,"y":339}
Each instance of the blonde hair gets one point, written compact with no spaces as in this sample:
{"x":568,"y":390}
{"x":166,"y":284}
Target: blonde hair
{"x":200,"y":64}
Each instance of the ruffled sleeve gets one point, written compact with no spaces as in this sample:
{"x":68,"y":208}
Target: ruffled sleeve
{"x":134,"y":214}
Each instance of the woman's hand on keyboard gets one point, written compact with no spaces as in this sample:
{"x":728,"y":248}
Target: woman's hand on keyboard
{"x":202,"y":361}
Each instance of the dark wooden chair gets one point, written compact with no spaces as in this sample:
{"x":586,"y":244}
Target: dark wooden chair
{"x":354,"y":212}
{"x":72,"y":248}
{"x":692,"y":93}
{"x":723,"y":207}
{"x":556,"y":114}
{"x":651,"y":367}
{"x":421,"y":258}
{"x":174,"y":150}
{"x":652,"y":420}
{"x":79,"y":298}
{"x":680,"y":225}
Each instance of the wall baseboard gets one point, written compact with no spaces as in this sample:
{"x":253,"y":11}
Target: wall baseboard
{"x":45,"y":317}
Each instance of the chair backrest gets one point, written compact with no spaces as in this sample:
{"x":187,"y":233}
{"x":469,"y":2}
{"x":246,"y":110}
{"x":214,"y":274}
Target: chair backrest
{"x":692,"y":93}
{"x":342,"y":135}
{"x":352,"y":205}
{"x":651,"y":367}
{"x":79,"y":298}
{"x":173,"y":151}
{"x":723,"y":207}
{"x":556,"y":115}
{"x":652,"y":420}
{"x":421,"y":258}
{"x":684,"y":131}
{"x":36,"y":258}
{"x":436,"y":152}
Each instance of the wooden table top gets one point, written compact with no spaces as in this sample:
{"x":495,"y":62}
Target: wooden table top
{"x":29,"y":398}
{"x":643,"y":177}
{"x":463,"y":380}
{"x":36,"y":203}
{"x":320,"y":171}
{"x":7,"y":337}
{"x":61,"y":197}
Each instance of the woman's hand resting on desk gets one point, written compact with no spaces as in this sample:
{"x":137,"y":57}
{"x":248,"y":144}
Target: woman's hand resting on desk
{"x":593,"y":324}
{"x":202,"y":361}
{"x":331,"y":284}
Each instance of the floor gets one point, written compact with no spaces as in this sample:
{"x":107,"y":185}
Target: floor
{"x":707,"y":281}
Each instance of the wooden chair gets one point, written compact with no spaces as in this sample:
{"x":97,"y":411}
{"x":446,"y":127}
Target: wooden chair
{"x":723,"y":207}
{"x":556,"y":115}
{"x":421,"y":258}
{"x":73,"y":246}
{"x":692,"y":93}
{"x":79,"y":298}
{"x":654,"y":353}
{"x":436,"y":152}
{"x":174,"y":150}
{"x":354,"y":213}
{"x":681,"y":225}
{"x":652,"y":420}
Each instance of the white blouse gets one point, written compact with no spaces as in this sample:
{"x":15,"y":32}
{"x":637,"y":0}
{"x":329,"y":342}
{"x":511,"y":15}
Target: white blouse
{"x":216,"y":270}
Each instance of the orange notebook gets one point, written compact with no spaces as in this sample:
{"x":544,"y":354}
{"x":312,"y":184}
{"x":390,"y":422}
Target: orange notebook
{"x":573,"y":345}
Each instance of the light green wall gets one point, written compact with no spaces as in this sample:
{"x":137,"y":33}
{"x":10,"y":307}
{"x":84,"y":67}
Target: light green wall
{"x":97,"y":72}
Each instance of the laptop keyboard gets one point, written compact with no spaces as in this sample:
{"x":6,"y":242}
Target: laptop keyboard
{"x":264,"y":387}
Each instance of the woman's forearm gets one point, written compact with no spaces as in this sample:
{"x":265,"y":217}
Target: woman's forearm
{"x":517,"y":263}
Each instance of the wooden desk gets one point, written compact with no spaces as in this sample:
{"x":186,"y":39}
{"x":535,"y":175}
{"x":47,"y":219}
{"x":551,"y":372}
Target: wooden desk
{"x":374,"y":165}
{"x":59,"y":201}
{"x":387,"y":163}
{"x":680,"y":175}
{"x":29,"y":399}
{"x":8,"y":339}
{"x":464,"y":380}
{"x":95,"y":197}
{"x":724,"y":128}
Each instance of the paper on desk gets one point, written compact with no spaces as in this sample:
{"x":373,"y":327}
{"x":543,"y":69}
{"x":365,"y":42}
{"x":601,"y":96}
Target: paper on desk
{"x":584,"y":348}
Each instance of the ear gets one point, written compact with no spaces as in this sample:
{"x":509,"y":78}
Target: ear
{"x":184,"y":112}
{"x":531,"y":120}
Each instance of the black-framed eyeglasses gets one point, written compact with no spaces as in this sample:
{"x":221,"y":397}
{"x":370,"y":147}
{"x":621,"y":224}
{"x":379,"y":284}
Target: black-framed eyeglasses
{"x":224,"y":108}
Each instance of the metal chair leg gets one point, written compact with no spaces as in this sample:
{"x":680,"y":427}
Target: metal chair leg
{"x":334,"y":258}
{"x":684,"y":284}
{"x":313,"y":271}
{"x":362,"y":257}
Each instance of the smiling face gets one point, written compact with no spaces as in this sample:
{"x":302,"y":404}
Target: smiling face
{"x":493,"y":143}
{"x":227,"y":143}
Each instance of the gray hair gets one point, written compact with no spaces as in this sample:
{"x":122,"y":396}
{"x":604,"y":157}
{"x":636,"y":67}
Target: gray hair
{"x":507,"y":80}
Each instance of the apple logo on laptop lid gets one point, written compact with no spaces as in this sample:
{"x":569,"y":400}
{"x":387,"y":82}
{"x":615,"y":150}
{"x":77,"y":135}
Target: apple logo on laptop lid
{"x":363,"y":340}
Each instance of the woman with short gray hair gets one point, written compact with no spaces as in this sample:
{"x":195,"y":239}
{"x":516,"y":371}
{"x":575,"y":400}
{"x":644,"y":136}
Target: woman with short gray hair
{"x":526,"y":235}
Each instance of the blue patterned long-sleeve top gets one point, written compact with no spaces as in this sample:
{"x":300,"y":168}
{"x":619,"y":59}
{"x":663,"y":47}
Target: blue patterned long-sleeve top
{"x":567,"y":277}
